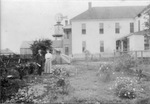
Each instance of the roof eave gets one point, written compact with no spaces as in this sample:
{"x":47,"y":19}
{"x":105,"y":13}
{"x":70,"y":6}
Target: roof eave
{"x":103,"y":19}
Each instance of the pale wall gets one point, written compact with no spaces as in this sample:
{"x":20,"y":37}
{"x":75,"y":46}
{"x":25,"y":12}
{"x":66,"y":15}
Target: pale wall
{"x":93,"y":37}
{"x":136,"y":42}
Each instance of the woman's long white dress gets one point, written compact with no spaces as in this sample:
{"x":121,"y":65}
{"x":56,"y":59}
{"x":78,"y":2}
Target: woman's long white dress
{"x":48,"y":63}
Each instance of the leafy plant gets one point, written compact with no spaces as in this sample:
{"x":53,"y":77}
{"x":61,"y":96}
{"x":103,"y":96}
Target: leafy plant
{"x":124,"y":63}
{"x":127,"y":88}
{"x":106,"y":71}
{"x":9,"y":87}
{"x":42,"y":44}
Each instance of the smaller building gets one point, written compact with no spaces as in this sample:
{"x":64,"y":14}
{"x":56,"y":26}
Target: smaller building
{"x":6,"y":52}
{"x":137,"y":42}
{"x":25,"y":50}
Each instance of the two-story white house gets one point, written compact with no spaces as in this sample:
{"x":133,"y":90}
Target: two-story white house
{"x":103,"y":30}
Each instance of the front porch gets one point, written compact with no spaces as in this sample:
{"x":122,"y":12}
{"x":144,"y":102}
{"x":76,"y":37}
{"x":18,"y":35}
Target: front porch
{"x":122,"y":45}
{"x":137,"y":44}
{"x":134,"y":42}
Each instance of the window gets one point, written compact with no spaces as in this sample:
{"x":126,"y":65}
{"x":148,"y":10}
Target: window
{"x":101,"y":46}
{"x":138,"y":25}
{"x":131,"y":27}
{"x":101,"y":28}
{"x":67,"y":50}
{"x":83,"y":29}
{"x":117,"y":28}
{"x":83,"y":46}
{"x":146,"y":42}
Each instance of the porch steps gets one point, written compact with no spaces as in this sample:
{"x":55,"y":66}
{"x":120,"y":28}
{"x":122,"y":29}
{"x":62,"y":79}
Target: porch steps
{"x":66,"y":58}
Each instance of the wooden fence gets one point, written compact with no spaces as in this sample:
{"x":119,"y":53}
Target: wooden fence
{"x":136,"y":54}
{"x":144,"y":56}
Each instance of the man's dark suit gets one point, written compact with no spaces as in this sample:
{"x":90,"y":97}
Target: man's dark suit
{"x":40,"y":63}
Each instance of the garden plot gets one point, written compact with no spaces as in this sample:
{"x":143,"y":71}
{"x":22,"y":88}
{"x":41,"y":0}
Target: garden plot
{"x":92,"y":82}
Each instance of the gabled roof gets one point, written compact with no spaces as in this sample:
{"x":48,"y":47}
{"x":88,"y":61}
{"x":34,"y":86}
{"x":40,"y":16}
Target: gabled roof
{"x":6,"y":52}
{"x":118,"y":12}
{"x":146,"y":10}
{"x":143,"y":32}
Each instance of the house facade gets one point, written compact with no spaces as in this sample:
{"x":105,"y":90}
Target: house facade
{"x":105,"y":30}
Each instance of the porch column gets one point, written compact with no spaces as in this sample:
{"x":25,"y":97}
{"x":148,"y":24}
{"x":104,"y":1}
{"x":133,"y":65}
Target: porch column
{"x":121,"y":45}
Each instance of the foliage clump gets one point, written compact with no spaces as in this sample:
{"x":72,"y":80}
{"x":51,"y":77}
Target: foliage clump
{"x":124,"y":63}
{"x":125,"y":87}
{"x":41,"y":44}
{"x":105,"y":71}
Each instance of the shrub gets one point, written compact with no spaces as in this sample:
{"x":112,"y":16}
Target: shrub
{"x":9,"y":87}
{"x":42,"y":44}
{"x":105,"y":71}
{"x":126,"y":88}
{"x":124,"y":63}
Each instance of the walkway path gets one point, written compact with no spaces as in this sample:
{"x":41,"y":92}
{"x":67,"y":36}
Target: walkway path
{"x":87,"y":85}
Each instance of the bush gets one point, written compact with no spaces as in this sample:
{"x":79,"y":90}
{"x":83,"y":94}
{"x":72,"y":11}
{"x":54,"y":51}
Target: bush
{"x":106,"y":72}
{"x":9,"y":87}
{"x":42,"y":44}
{"x":124,"y":63}
{"x":127,"y":88}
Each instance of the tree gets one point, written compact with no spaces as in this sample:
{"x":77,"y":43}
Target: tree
{"x":42,"y":44}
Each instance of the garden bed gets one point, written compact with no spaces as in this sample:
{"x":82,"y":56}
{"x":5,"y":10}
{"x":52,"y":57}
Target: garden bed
{"x":84,"y":83}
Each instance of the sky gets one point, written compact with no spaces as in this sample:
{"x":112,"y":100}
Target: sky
{"x":28,"y":20}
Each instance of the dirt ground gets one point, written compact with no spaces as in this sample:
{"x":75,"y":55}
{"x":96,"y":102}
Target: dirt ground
{"x":85,"y":84}
{"x":88,"y":86}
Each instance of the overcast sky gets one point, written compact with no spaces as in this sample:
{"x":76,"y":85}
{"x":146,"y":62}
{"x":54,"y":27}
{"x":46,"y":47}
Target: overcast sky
{"x":27,"y":20}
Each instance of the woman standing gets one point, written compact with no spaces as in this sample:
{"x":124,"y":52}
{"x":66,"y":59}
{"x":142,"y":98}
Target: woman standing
{"x":48,"y":62}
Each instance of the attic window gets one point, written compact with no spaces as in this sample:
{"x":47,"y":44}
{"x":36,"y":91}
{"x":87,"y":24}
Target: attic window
{"x":139,"y":15}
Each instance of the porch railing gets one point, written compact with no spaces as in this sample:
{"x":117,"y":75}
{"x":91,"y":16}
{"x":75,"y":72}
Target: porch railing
{"x":139,"y":53}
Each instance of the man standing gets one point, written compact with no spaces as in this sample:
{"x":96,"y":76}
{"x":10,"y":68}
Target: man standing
{"x":40,"y":62}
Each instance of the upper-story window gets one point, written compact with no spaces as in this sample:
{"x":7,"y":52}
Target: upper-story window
{"x":131,"y":27}
{"x":117,"y":28}
{"x":101,"y":28}
{"x":139,"y":25}
{"x":83,"y":28}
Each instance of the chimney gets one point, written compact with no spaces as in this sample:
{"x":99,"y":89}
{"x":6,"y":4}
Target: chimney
{"x":66,"y":22}
{"x":90,"y":5}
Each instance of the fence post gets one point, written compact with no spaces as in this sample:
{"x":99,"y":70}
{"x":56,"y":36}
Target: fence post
{"x":135,"y":60}
{"x":142,"y":56}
